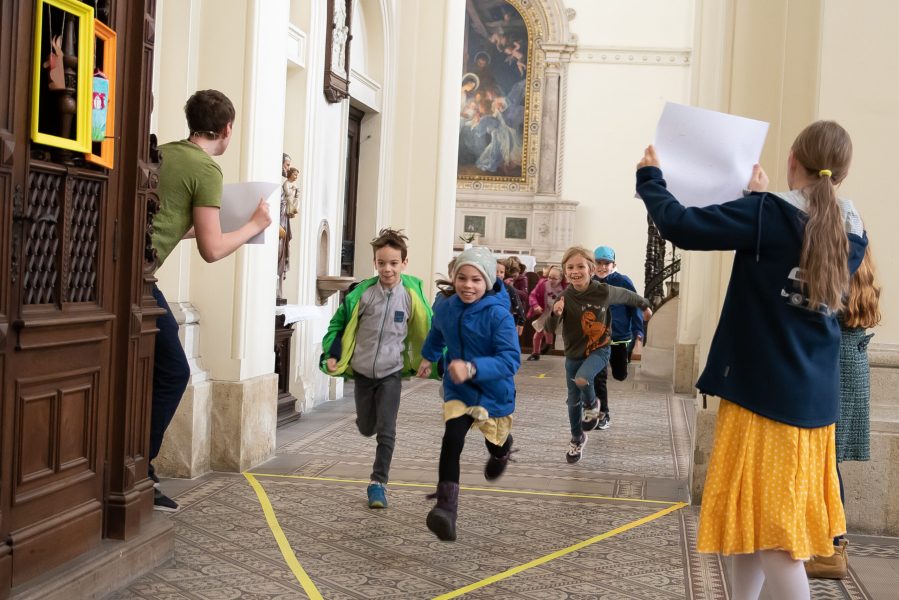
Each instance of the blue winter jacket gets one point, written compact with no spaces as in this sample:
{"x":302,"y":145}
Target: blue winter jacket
{"x":627,"y":321}
{"x":482,"y":333}
{"x":770,"y":354}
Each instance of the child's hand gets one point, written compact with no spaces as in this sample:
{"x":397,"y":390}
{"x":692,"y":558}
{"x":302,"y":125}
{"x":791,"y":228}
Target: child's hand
{"x":538,"y":310}
{"x":759,"y":180}
{"x":458,"y":371}
{"x":424,"y":369}
{"x":559,"y":306}
{"x":649,"y":158}
{"x":332,"y":365}
{"x":647,"y":314}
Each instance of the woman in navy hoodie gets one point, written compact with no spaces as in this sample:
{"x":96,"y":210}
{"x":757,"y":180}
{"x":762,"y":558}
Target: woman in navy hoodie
{"x":477,"y":331}
{"x":771,"y":494}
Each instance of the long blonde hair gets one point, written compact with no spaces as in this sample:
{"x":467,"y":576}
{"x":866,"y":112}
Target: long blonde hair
{"x":863,"y":307}
{"x":824,"y":146}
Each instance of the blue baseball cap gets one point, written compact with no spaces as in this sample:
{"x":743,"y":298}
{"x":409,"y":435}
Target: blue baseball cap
{"x":604,"y":253}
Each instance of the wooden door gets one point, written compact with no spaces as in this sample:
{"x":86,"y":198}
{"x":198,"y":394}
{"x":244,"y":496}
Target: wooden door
{"x":64,"y":329}
{"x":348,"y":246}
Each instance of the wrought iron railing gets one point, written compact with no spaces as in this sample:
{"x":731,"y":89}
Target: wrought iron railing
{"x":661,"y":268}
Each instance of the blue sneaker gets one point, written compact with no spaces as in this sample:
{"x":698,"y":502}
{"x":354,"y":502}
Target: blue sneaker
{"x":377,"y":495}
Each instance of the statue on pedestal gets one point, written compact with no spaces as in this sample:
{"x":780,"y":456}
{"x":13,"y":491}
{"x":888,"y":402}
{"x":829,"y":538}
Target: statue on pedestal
{"x":290,"y":200}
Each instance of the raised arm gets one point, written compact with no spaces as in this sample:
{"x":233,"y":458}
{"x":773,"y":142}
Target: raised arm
{"x":215,"y":245}
{"x":730,"y":226}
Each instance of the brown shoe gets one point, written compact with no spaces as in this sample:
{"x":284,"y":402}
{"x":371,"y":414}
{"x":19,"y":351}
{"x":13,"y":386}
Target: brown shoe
{"x":829,"y":567}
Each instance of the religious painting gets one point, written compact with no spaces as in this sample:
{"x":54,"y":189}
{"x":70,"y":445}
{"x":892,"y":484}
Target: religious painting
{"x":103,"y":97}
{"x":61,"y":80}
{"x":516,"y":228}
{"x":475,"y":224}
{"x":494,"y":92}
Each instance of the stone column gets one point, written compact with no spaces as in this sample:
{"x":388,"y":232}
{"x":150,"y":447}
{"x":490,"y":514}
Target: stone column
{"x":448,"y":134}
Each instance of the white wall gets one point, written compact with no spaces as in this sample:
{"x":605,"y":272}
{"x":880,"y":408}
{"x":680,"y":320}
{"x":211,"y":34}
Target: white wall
{"x":859,"y":88}
{"x":632,"y":57}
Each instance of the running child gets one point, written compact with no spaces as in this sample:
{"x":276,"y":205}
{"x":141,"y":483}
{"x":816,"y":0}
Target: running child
{"x":477,"y":331}
{"x":375,"y":338}
{"x":583,"y":310}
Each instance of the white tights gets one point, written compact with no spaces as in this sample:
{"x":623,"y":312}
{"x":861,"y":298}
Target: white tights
{"x":786,"y":577}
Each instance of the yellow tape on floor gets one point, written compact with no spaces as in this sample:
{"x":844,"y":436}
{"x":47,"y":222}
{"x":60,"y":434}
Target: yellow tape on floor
{"x":283,"y":544}
{"x":559,"y":553}
{"x":314,"y":594}
{"x":475,"y":489}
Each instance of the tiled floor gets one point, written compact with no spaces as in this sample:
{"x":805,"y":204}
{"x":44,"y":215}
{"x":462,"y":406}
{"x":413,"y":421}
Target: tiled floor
{"x":545,"y":531}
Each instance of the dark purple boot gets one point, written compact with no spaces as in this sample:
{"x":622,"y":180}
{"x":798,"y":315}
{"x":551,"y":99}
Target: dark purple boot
{"x":442,"y":518}
{"x":496,"y":465}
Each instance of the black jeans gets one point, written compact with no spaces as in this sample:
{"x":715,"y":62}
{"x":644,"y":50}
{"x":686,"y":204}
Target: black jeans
{"x":618,"y":360}
{"x":454,"y":441}
{"x":170,"y":375}
{"x":377,"y":405}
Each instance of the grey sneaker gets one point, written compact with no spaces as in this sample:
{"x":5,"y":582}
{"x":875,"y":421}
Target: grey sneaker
{"x":576,"y":449}
{"x":591,"y":419}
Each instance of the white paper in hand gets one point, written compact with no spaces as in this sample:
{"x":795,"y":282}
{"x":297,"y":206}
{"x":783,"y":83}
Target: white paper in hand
{"x":707,"y":156}
{"x":239,"y":202}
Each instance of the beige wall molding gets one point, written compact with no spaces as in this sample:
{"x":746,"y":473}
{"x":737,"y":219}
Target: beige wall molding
{"x":655,"y":57}
{"x":296,"y":46}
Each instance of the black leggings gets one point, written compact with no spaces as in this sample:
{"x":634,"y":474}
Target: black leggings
{"x":618,"y":359}
{"x":454,"y":441}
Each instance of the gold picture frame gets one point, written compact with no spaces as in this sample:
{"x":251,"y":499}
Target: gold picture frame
{"x":83,"y":86}
{"x":107,"y":36}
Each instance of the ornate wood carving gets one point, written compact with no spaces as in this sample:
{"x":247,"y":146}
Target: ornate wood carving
{"x":46,"y":192}
{"x":337,"y":50}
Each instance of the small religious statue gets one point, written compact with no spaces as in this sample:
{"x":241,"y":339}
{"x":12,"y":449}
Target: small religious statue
{"x":290,"y":199}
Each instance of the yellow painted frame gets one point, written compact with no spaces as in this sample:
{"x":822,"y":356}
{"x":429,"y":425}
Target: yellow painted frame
{"x":107,"y":146}
{"x":85,"y":15}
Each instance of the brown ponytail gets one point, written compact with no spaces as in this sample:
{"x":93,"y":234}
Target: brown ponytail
{"x":863,"y":306}
{"x":824,"y":150}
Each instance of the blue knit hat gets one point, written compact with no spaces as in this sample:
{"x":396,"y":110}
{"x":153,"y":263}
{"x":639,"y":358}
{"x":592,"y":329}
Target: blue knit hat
{"x":604,"y":253}
{"x":481,"y":259}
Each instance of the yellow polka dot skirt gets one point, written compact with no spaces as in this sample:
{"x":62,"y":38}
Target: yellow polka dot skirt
{"x":770,"y":486}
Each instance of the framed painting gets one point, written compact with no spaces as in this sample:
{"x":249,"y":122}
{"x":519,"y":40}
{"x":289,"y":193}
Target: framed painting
{"x":494,"y":95}
{"x":475,"y":224}
{"x":516,"y":228}
{"x":337,"y":50}
{"x":61,"y":91}
{"x":103,"y":97}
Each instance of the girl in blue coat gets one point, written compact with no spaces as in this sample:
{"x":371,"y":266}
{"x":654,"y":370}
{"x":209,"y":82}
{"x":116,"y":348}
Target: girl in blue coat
{"x":478,"y":333}
{"x":771,"y":496}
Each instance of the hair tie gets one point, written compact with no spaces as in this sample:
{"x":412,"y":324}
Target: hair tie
{"x":824,"y":173}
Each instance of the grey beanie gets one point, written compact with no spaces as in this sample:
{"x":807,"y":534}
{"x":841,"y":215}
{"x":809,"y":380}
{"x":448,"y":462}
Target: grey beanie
{"x":480,"y":258}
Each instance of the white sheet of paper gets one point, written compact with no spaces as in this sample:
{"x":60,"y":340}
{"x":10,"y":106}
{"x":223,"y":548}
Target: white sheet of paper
{"x":707,"y":156}
{"x":239,"y":201}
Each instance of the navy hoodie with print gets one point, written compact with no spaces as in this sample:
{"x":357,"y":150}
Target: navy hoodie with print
{"x":770,"y":354}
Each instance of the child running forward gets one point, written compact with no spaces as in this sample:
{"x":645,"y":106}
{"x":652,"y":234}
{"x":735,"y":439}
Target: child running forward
{"x":375,"y":337}
{"x":477,"y":331}
{"x":627,"y":328}
{"x":584,"y":312}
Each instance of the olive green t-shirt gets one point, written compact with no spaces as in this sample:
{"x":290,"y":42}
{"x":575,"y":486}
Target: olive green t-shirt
{"x":188,"y":177}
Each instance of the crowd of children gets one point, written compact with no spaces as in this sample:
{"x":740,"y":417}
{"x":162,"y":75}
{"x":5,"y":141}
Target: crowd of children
{"x":785,"y":293}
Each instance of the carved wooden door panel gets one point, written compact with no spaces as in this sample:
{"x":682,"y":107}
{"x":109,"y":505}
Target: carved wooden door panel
{"x":58,"y":223}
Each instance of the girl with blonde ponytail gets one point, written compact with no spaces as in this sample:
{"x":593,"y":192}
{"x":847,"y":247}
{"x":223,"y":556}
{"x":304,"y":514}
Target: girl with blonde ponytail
{"x":771,"y":496}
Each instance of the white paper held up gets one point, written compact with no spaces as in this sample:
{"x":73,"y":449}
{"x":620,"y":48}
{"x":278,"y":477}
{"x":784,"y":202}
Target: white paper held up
{"x":239,"y":201}
{"x":707,"y":156}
